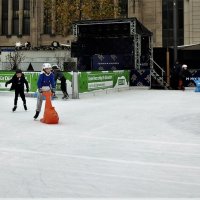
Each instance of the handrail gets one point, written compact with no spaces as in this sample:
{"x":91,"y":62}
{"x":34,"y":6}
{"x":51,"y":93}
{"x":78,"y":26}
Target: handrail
{"x":157,"y":65}
{"x":162,"y":71}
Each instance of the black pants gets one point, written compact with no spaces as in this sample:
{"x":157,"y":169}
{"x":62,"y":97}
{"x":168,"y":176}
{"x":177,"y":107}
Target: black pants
{"x":22,"y":95}
{"x":63,"y":85}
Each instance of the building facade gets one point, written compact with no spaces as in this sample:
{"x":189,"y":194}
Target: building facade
{"x":26,"y":20}
{"x":157,"y":16}
{"x":191,"y":21}
{"x":23,"y":20}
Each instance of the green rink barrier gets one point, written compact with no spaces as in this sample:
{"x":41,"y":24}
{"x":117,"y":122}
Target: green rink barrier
{"x":31,"y":77}
{"x":88,"y":81}
{"x":101,"y":80}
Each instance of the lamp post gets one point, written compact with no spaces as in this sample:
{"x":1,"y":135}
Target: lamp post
{"x":80,"y":10}
{"x":175,"y":28}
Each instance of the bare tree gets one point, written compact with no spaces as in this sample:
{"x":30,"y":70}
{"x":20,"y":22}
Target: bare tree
{"x":15,"y":58}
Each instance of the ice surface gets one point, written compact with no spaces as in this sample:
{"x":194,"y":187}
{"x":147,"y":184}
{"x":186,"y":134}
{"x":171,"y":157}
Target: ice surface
{"x":135,"y":143}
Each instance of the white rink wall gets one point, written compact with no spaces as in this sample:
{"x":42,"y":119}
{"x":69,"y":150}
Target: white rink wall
{"x":37,"y":58}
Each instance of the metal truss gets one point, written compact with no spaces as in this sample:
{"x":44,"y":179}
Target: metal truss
{"x":137,"y":44}
{"x":132,"y":28}
{"x":151,"y":51}
{"x":75,"y":30}
{"x":137,"y":50}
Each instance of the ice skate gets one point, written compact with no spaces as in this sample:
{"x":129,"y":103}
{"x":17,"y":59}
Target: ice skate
{"x":54,"y":96}
{"x":66,"y":96}
{"x":14,"y":108}
{"x":25,"y":107}
{"x":36,"y":115}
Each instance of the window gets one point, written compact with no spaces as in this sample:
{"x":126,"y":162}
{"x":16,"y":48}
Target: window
{"x":123,"y":5}
{"x":15,"y":5}
{"x":15,"y":26}
{"x":4,"y":17}
{"x":15,"y":17}
{"x":47,"y":21}
{"x":26,"y":26}
{"x":167,"y":17}
{"x":26,"y":18}
{"x":26,"y":4}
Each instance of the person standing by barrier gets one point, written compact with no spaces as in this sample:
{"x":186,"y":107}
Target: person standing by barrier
{"x":182,"y":77}
{"x":175,"y":75}
{"x":45,"y":83}
{"x":18,"y":81}
{"x":58,"y":75}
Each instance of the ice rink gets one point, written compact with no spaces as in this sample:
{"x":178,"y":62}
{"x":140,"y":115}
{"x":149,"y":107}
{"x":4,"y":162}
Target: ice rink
{"x":134,"y":143}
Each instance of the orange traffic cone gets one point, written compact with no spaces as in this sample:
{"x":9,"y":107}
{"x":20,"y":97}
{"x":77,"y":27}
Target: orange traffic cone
{"x":50,"y":114}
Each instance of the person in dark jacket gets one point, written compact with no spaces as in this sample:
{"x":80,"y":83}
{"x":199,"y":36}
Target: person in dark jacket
{"x":45,"y":83}
{"x":182,"y":77}
{"x":58,"y":75}
{"x":175,"y":75}
{"x":18,"y":81}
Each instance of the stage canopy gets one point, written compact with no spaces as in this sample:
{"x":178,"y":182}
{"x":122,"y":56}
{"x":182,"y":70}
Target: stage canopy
{"x":128,"y":39}
{"x":190,"y":47}
{"x":112,"y":27}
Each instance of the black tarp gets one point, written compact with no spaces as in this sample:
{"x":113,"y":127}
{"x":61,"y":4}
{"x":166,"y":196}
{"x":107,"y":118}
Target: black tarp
{"x":110,"y":28}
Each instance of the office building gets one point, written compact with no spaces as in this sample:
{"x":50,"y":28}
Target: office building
{"x":157,"y":16}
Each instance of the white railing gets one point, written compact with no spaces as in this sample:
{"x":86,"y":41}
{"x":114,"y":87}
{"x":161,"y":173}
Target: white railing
{"x":160,"y":68}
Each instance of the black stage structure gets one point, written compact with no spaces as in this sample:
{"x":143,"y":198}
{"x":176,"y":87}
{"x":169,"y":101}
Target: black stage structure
{"x":113,"y":44}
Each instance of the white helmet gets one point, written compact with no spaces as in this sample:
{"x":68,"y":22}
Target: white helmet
{"x":184,"y":66}
{"x":46,"y":66}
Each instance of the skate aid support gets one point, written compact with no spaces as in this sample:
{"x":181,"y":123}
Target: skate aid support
{"x":50,"y":114}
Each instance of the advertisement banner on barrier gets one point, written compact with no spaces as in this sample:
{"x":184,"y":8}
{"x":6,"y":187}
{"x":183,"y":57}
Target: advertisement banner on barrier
{"x":32,"y":78}
{"x":100,"y":80}
{"x":88,"y":81}
{"x":3,"y":78}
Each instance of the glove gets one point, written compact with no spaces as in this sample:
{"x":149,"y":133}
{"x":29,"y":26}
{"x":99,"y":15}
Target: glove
{"x":27,"y":90}
{"x":40,"y":90}
{"x":6,"y":84}
{"x":53,"y":91}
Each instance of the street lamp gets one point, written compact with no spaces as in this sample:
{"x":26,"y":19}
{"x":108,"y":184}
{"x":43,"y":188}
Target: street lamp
{"x":18,"y":45}
{"x":175,"y":28}
{"x":80,"y":10}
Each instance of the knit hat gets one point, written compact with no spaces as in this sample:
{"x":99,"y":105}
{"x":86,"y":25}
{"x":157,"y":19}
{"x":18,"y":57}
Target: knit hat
{"x":18,"y":71}
{"x":55,"y":67}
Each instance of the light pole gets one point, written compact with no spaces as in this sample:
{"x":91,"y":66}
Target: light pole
{"x":80,"y":10}
{"x":175,"y":28}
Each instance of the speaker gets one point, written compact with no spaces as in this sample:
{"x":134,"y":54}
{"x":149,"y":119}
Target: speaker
{"x":75,"y":50}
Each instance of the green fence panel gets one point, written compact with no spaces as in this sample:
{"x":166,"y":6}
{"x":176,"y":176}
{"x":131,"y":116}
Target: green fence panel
{"x":100,"y":80}
{"x":88,"y":81}
{"x":31,"y":77}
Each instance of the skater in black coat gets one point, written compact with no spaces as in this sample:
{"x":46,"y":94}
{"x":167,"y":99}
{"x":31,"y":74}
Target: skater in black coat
{"x":18,"y":81}
{"x":58,"y":75}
